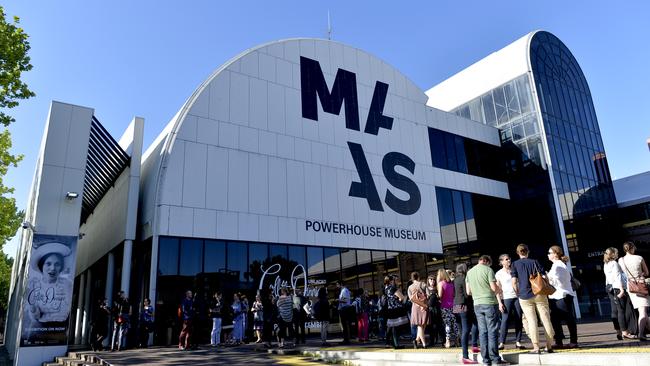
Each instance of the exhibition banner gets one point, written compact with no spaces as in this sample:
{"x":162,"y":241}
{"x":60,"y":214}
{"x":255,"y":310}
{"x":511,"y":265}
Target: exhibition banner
{"x":48,"y":297}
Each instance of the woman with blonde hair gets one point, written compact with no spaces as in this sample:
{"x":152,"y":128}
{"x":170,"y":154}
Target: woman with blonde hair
{"x":616,"y":293}
{"x":446,"y":296}
{"x":636,"y":271}
{"x":561,"y":301}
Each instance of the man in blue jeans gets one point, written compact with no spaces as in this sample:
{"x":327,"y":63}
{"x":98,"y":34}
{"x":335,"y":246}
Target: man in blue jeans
{"x":481,"y":285}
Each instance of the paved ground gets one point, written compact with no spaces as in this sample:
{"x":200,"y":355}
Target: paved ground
{"x":597,"y":337}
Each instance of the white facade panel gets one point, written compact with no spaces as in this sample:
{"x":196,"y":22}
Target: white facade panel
{"x":272,"y":173}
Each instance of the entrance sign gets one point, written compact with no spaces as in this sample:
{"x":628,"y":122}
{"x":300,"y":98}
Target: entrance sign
{"x":297,"y":274}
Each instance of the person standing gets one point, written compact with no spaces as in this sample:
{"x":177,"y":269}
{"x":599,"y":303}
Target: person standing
{"x":299,"y":315}
{"x":146,"y":323}
{"x":435,"y":319}
{"x":245,"y":309}
{"x":237,"y":319}
{"x":215,"y":312}
{"x":481,"y":285}
{"x":531,"y":304}
{"x":322,"y":314}
{"x":419,"y":309}
{"x":508,"y":303}
{"x":464,"y":308}
{"x":268,"y":315}
{"x":99,"y":325}
{"x":285,"y":308}
{"x":121,"y":321}
{"x":636,"y":271}
{"x":561,"y":301}
{"x":361,"y":306}
{"x":345,"y":310}
{"x":187,"y":316}
{"x":258,"y":318}
{"x":616,"y":292}
{"x":396,"y":314}
{"x":446,"y":296}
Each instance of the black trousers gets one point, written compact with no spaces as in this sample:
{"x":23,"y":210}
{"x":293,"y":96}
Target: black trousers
{"x":299,"y":326}
{"x":563,"y":310}
{"x":345,"y":315}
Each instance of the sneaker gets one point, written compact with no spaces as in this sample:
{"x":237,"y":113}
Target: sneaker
{"x":467,"y":361}
{"x":476,"y":349}
{"x":501,"y":346}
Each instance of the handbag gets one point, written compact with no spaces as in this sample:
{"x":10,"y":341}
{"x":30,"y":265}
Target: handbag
{"x":635,"y":285}
{"x":540,"y":285}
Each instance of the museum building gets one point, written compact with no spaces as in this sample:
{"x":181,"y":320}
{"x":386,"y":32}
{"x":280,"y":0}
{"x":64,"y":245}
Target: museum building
{"x":306,"y":161}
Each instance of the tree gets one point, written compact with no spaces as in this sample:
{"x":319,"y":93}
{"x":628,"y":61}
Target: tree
{"x":13,"y":62}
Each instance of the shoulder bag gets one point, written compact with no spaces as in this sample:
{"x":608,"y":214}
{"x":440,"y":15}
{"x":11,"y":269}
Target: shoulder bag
{"x":540,"y":285}
{"x":634,"y":284}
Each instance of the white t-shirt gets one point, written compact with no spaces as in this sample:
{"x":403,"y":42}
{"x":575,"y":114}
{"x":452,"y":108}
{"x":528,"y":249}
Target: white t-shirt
{"x":504,"y":278}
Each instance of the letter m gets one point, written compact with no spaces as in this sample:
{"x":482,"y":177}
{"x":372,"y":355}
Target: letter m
{"x":312,"y":83}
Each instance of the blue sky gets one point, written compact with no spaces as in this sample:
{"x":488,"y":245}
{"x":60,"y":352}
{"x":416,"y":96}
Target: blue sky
{"x":144,"y":58}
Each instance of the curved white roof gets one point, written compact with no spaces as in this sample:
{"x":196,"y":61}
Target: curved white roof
{"x":483,"y":76}
{"x":275,"y":66}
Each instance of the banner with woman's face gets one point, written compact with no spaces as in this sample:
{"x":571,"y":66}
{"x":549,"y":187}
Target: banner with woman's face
{"x":48,"y":297}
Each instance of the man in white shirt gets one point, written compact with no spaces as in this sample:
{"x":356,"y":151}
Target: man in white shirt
{"x":508,"y":303}
{"x":346,"y":311}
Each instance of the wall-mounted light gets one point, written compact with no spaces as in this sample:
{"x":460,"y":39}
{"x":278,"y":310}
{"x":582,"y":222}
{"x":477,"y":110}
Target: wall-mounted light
{"x":71,"y":195}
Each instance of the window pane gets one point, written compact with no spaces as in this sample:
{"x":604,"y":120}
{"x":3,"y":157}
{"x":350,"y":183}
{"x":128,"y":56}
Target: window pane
{"x":350,"y":269}
{"x":191,"y":257}
{"x":500,"y":105}
{"x":446,"y":216}
{"x":258,"y":255}
{"x":469,"y":216}
{"x":297,"y":254}
{"x":523,"y":91}
{"x":450,"y":147}
{"x":315,"y":264}
{"x":437,"y":145}
{"x":332,"y":260}
{"x":168,"y":256}
{"x":238,"y":260}
{"x":460,"y":154}
{"x":215,"y":256}
{"x":488,"y":110}
{"x":459,"y":217}
{"x":278,"y":251}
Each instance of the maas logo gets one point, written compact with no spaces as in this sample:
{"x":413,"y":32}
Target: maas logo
{"x":314,"y":89}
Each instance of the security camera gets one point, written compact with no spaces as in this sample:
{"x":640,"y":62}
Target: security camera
{"x":27,"y":225}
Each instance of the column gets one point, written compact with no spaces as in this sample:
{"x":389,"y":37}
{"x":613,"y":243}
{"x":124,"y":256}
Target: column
{"x":153,"y":276}
{"x":80,"y":300}
{"x":86,"y":313}
{"x":126,"y":267}
{"x":110,"y":278}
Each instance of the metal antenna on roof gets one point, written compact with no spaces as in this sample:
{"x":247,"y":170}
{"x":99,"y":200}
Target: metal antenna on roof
{"x":329,"y":26}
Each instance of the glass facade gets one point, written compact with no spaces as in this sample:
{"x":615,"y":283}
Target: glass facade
{"x":510,"y":108}
{"x":464,"y":155}
{"x":205,"y":266}
{"x":575,"y":145}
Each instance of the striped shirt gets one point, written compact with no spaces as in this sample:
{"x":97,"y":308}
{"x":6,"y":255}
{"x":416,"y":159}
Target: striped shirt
{"x":285,"y":308}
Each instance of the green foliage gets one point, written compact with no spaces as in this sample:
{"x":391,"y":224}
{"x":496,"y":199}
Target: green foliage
{"x":13,"y":61}
{"x":5,"y":276}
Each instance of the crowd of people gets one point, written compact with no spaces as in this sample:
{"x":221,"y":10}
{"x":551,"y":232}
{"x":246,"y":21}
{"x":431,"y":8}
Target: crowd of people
{"x":468,"y":307}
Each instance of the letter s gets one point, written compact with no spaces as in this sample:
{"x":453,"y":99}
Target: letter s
{"x":412,"y":205}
